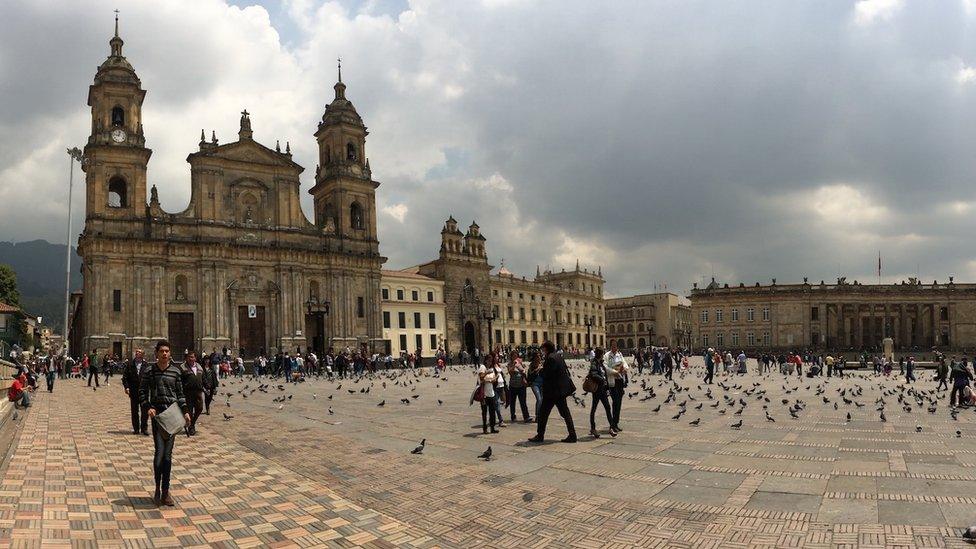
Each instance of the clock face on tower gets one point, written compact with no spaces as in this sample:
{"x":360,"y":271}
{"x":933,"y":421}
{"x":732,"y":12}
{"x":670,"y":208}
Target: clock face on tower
{"x":118,"y":135}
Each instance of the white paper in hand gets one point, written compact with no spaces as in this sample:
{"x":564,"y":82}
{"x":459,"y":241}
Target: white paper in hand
{"x":171,"y":420}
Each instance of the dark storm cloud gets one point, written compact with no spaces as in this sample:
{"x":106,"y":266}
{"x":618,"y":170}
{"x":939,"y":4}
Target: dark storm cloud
{"x":663,"y":140}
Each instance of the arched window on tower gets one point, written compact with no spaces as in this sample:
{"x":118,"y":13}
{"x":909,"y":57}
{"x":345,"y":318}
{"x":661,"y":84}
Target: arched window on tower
{"x":356,"y":216}
{"x":118,"y":117}
{"x":117,"y":193}
{"x":350,"y":151}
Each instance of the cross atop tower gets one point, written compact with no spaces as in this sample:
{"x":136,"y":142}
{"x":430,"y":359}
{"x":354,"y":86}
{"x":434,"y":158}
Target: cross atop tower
{"x":116,"y":22}
{"x":339,"y":60}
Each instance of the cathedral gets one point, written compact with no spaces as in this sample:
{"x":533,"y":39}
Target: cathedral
{"x":241,"y":266}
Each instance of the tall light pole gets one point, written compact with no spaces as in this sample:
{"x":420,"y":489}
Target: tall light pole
{"x":74,"y":154}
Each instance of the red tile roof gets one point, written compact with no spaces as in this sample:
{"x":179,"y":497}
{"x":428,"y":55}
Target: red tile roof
{"x":4,"y":308}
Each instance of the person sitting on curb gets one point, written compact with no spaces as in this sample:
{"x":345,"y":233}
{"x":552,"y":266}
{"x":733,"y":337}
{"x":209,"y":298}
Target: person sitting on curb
{"x":19,"y":392}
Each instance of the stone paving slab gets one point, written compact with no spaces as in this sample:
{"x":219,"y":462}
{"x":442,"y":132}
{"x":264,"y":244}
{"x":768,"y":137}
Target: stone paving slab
{"x":328,"y":467}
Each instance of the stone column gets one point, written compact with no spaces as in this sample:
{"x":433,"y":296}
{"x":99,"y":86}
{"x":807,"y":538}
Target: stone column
{"x":905,"y":338}
{"x":884,"y":323}
{"x":841,"y":332}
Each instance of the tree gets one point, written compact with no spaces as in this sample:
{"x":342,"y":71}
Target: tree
{"x":8,"y":286}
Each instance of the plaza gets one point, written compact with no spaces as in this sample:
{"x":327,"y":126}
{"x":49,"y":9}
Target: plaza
{"x":321,"y":463}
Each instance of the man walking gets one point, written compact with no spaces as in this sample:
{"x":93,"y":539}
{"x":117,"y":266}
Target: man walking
{"x":159,"y":388}
{"x":93,"y":368}
{"x":130,"y":382}
{"x":709,"y":366}
{"x":910,"y":370}
{"x":193,"y":390}
{"x":557,"y":384}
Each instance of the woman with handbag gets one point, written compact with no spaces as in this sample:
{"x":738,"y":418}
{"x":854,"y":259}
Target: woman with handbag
{"x":596,"y":384}
{"x":501,"y":385}
{"x":535,"y":379}
{"x":616,"y":370}
{"x":489,"y":402}
{"x":516,"y":386}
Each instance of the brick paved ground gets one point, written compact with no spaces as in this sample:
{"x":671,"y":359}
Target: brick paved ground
{"x":79,"y":478}
{"x":276,"y":475}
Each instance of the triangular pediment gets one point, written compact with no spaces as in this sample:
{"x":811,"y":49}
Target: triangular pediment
{"x":247,"y":150}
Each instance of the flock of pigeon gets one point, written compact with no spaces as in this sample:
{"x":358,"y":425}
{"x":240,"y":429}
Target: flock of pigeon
{"x":683,"y":397}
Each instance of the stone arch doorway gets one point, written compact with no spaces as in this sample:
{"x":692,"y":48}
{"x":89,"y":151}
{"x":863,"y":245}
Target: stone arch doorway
{"x":470,"y":341}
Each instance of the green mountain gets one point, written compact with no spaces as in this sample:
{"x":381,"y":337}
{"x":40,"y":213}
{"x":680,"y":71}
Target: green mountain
{"x":40,"y":277}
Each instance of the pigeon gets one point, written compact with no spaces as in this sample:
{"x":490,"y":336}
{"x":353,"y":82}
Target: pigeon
{"x":658,"y":409}
{"x":677,"y":416}
{"x":227,"y":417}
{"x":382,"y":403}
{"x":486,"y":455}
{"x":883,"y":418}
{"x":970,"y":533}
{"x":769,"y":418}
{"x":15,"y":415}
{"x":737,"y":424}
{"x":918,"y":428}
{"x":419,"y":449}
{"x":281,"y":407}
{"x":958,"y":434}
{"x":330,"y":411}
{"x":848,"y":416}
{"x":440,"y":402}
{"x":695,"y":422}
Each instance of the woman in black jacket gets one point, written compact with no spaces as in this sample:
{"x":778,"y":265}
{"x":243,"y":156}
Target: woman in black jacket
{"x":601,"y":394}
{"x":210,"y":384}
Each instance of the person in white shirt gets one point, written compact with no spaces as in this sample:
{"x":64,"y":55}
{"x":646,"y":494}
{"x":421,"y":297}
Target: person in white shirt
{"x":617,"y":372}
{"x":489,"y":402}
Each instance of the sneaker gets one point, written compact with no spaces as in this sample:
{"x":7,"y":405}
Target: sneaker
{"x":595,"y":434}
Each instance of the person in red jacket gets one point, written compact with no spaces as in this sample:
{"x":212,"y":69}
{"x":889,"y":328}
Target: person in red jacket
{"x":19,"y":393}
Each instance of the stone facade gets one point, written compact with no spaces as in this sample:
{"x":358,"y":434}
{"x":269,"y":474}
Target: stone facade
{"x":241,"y":266}
{"x":477,"y":302}
{"x":841,"y":315}
{"x":556,"y":306}
{"x":662,"y":319}
{"x":413,"y":313}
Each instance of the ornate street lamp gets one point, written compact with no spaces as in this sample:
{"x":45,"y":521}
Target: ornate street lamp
{"x":589,"y":324}
{"x":75,"y":155}
{"x":490,"y":317}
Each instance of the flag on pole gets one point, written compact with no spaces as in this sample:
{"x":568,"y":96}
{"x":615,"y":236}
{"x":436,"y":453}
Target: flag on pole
{"x":879,"y":263}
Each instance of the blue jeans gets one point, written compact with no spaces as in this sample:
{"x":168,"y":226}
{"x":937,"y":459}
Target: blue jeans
{"x":537,"y":391}
{"x":163,"y":455}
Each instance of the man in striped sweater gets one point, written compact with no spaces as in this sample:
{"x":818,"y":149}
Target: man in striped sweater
{"x":161,"y":386}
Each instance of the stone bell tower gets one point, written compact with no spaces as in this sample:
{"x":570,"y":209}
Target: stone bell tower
{"x":344,"y":191}
{"x":116,"y":154}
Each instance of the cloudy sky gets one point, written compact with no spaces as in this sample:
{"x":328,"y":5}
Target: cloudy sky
{"x":665,"y":141}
